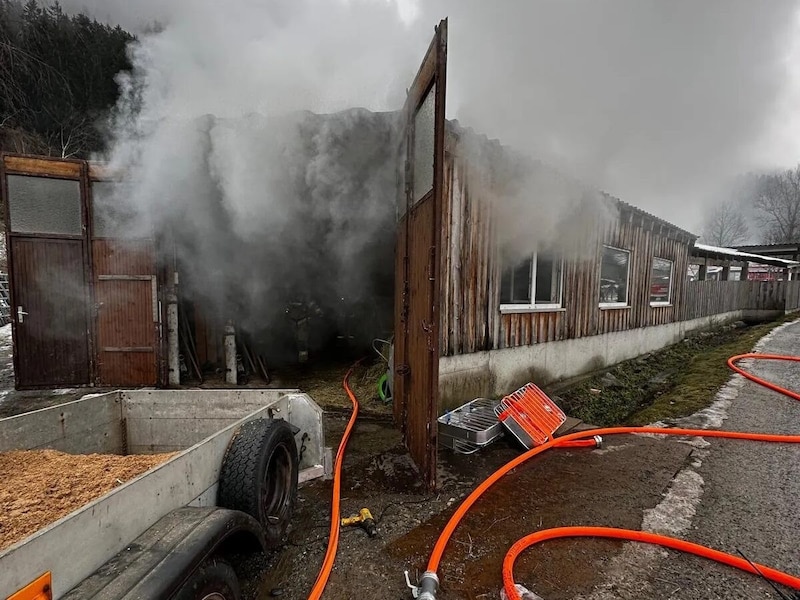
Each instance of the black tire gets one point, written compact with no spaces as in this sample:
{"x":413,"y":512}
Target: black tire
{"x":213,"y":580}
{"x":259,"y":475}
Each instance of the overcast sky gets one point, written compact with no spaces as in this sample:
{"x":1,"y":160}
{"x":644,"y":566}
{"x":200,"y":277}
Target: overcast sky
{"x":659,"y":102}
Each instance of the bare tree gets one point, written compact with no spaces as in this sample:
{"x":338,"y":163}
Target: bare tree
{"x":778,"y":206}
{"x":725,"y":225}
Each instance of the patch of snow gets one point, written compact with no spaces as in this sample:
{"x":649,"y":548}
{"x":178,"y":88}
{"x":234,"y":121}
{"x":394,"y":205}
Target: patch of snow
{"x":628,"y":571}
{"x":696,"y":442}
{"x":713,"y":416}
{"x":674,"y":513}
{"x":5,"y":335}
{"x":63,"y":391}
{"x":768,"y":338}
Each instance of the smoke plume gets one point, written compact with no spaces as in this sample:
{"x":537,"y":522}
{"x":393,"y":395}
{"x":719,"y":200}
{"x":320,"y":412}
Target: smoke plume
{"x":655,"y":102}
{"x":658,"y":103}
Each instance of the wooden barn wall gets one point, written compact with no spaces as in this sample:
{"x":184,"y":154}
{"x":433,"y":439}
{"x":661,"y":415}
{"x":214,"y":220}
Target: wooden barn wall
{"x":470,"y":292}
{"x":470,"y":316}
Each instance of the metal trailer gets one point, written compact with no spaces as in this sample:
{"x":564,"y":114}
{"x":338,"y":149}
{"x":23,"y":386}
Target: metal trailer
{"x":158,"y":534}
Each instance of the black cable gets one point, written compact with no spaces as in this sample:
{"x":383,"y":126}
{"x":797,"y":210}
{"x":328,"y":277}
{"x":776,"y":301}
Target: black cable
{"x":757,"y":570}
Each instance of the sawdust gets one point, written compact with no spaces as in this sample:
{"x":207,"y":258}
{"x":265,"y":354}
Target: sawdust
{"x":41,"y":486}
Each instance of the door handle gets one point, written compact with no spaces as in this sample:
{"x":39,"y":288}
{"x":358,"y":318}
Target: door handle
{"x":20,"y":315}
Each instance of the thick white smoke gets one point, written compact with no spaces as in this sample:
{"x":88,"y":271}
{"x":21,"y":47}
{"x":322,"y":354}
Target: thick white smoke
{"x":655,"y":102}
{"x":658,"y":102}
{"x":226,"y":125}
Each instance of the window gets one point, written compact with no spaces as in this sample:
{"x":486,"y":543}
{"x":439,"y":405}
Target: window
{"x":44,"y":205}
{"x":614,"y":277}
{"x":661,"y":282}
{"x":533,"y":284}
{"x":424,"y":146}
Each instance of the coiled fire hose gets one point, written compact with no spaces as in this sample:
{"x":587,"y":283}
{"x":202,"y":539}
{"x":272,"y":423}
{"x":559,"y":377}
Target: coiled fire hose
{"x":429,"y":582}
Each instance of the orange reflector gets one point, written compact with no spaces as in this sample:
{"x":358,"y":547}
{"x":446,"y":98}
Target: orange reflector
{"x":530,"y":415}
{"x":38,"y":590}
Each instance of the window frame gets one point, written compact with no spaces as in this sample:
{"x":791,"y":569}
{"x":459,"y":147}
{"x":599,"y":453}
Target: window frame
{"x":671,"y":277}
{"x":533,"y":306}
{"x":626,"y":303}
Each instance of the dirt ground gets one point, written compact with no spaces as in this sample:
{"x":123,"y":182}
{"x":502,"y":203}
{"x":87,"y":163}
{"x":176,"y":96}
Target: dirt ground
{"x":565,"y":487}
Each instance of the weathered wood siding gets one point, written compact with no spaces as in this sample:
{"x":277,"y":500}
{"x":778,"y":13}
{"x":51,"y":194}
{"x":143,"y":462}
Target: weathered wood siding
{"x":470,"y":291}
{"x":792,"y":295}
{"x":706,"y":298}
{"x":471,"y":272}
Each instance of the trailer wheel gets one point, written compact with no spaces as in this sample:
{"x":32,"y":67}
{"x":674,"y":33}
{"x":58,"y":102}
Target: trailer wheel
{"x":215,"y":579}
{"x":259,"y":475}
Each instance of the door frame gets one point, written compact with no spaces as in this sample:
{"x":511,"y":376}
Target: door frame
{"x":69,"y":169}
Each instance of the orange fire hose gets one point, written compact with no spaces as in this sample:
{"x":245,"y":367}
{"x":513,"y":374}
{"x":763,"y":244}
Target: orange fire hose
{"x":639,"y":536}
{"x":767,"y":384}
{"x":429,"y":581}
{"x":333,"y":538}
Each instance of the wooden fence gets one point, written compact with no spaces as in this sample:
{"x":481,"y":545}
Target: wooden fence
{"x":706,"y":298}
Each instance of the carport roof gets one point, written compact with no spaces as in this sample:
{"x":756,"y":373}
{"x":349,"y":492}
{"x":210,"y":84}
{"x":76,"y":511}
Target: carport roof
{"x":705,"y":251}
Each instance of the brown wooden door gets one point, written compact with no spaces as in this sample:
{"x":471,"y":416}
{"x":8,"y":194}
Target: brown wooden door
{"x":416,"y":380}
{"x":127,"y":312}
{"x":48,"y":270}
{"x":50,"y":317}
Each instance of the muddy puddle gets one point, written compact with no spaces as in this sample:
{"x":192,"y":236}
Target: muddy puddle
{"x":567,"y":487}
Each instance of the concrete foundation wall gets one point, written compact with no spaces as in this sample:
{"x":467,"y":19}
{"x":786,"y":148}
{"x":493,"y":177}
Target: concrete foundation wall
{"x":498,"y":372}
{"x":85,"y":426}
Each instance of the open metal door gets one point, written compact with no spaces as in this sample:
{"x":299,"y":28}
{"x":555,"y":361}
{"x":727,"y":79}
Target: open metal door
{"x":416,"y":355}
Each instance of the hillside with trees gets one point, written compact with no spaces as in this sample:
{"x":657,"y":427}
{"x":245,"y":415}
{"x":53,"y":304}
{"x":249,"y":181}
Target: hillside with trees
{"x":57,"y":79}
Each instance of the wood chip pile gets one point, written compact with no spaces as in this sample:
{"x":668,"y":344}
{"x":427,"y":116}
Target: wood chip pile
{"x":41,"y":486}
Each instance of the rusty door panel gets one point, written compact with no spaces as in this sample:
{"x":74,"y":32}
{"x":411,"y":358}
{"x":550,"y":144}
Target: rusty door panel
{"x":422,"y":348}
{"x":126,"y":312}
{"x":48,"y":282}
{"x":416,"y":360}
{"x":399,"y":394}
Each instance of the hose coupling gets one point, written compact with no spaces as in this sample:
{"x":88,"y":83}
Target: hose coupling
{"x":598,"y":440}
{"x":427,"y":588}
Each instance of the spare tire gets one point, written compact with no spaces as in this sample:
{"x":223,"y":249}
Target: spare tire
{"x":259,"y":475}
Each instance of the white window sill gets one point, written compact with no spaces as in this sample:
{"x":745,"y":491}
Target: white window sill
{"x":511,"y":309}
{"x":614,"y":306}
{"x":660,"y":304}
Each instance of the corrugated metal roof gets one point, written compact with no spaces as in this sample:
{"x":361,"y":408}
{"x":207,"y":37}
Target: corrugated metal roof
{"x":658,"y":220}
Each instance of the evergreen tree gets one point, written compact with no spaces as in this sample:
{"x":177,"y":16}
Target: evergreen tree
{"x":57,"y":78}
